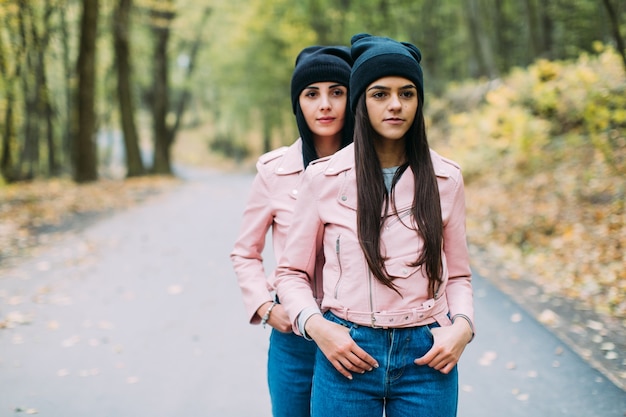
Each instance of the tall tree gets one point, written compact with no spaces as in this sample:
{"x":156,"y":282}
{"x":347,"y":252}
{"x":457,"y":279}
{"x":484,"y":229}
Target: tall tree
{"x":44,"y":99}
{"x":534,"y":33}
{"x":480,"y":42}
{"x":85,"y":151}
{"x":547,"y":29}
{"x":190,"y":66}
{"x":121,"y":43}
{"x":9,"y":78}
{"x":619,"y":40}
{"x":161,"y":20}
{"x":30,"y":150}
{"x":66,"y":89}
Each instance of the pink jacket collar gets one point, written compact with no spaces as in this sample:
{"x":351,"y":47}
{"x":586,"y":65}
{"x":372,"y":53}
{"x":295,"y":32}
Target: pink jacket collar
{"x":291,"y":162}
{"x":343,"y":162}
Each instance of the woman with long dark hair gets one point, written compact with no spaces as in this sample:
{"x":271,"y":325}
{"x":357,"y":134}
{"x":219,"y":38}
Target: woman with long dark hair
{"x":388,"y":215}
{"x":319,"y":97}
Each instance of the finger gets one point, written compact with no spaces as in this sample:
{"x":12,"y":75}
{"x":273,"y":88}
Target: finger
{"x":364,"y":360}
{"x":448,"y":367}
{"x":426,"y":359}
{"x":355,"y":364}
{"x":446,"y":370}
{"x":438,"y":363}
{"x":342,"y":370}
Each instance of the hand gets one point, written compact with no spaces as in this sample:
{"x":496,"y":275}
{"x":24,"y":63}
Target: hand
{"x":339,"y":348}
{"x":450,"y":341}
{"x":278,"y":317}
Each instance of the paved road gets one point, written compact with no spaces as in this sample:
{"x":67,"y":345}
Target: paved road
{"x":140,"y":315}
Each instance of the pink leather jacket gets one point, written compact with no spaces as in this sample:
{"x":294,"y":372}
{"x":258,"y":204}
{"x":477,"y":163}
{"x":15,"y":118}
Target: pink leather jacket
{"x":270,"y":204}
{"x":326,"y":217}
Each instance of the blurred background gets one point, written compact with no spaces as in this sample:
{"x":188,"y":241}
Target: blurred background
{"x":528,"y":96}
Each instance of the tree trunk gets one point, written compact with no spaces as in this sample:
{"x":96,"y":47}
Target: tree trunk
{"x":533,"y":28}
{"x":160,"y":90}
{"x":480,"y":42}
{"x":8,"y":133}
{"x":46,"y":110}
{"x":186,"y":94}
{"x":121,"y":28}
{"x":619,"y":41}
{"x":68,"y":92}
{"x":85,"y":150}
{"x":547,"y":30}
{"x":28,"y":154}
{"x":6,"y":163}
{"x":503,"y":46}
{"x":429,"y":26}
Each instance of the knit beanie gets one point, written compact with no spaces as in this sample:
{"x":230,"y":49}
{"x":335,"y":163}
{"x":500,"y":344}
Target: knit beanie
{"x":376,"y":57}
{"x":317,"y":64}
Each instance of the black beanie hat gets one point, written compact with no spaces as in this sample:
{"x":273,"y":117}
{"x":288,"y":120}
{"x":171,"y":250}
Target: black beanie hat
{"x":318,"y":64}
{"x":376,"y":57}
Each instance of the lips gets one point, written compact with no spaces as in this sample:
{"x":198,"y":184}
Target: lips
{"x":394,"y":120}
{"x":326,"y":119}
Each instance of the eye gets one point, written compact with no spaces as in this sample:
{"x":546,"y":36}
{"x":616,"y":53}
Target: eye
{"x":310,"y":93}
{"x":407,"y":94}
{"x":338,"y":92}
{"x":378,"y":94}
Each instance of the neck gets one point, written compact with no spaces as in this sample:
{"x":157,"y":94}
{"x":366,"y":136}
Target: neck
{"x":390,"y":153}
{"x":326,"y":145}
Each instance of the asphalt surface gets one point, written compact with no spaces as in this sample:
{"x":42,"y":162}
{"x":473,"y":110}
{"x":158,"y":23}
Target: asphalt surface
{"x":140,"y":315}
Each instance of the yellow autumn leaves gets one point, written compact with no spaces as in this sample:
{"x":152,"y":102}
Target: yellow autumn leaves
{"x":544,"y":156}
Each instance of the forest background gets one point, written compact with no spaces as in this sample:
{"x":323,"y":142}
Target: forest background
{"x":100,"y":100}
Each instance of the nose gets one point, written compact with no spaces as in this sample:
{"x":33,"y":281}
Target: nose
{"x":394,"y":102}
{"x":325,"y":102}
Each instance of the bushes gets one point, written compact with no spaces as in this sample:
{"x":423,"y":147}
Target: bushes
{"x":543,"y":152}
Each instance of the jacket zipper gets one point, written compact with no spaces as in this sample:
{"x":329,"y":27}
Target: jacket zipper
{"x":397,"y":218}
{"x":338,"y":253}
{"x":371,"y":298}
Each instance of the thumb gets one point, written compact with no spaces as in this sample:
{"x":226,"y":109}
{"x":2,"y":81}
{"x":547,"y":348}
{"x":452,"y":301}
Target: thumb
{"x":424,"y":360}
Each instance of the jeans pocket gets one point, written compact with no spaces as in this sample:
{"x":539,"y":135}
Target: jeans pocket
{"x":345,"y":323}
{"x":428,"y":328}
{"x":331,"y":317}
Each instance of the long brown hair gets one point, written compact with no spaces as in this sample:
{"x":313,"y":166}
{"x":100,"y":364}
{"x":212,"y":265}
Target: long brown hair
{"x":373,"y":199}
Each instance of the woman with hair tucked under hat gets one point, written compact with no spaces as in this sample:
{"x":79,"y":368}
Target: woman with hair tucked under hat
{"x":319,"y":95}
{"x":389,"y":216}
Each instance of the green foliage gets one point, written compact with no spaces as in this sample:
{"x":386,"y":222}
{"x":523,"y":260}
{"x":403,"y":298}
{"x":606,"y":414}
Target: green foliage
{"x":241,"y":83}
{"x":605,"y":122}
{"x":225,"y":145}
{"x":528,"y":117}
{"x":543,"y":152}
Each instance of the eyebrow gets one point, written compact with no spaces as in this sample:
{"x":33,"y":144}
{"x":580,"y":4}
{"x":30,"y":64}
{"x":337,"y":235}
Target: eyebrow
{"x":312,"y":87}
{"x":382,"y":87}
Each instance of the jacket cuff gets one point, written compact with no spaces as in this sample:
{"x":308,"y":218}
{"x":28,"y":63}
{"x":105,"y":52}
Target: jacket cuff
{"x":469,"y":321}
{"x":303,"y":317}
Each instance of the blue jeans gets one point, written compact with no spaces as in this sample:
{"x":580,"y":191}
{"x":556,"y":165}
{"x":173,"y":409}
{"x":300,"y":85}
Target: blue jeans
{"x":399,"y":387}
{"x":290,"y":364}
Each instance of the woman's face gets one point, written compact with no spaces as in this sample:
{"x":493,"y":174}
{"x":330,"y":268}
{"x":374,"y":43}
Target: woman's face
{"x":391,"y":105}
{"x":324,"y":106}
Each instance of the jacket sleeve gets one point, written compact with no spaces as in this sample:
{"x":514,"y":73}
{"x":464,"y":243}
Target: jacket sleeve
{"x":296,"y":268}
{"x":247,"y":255}
{"x":459,"y":289}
